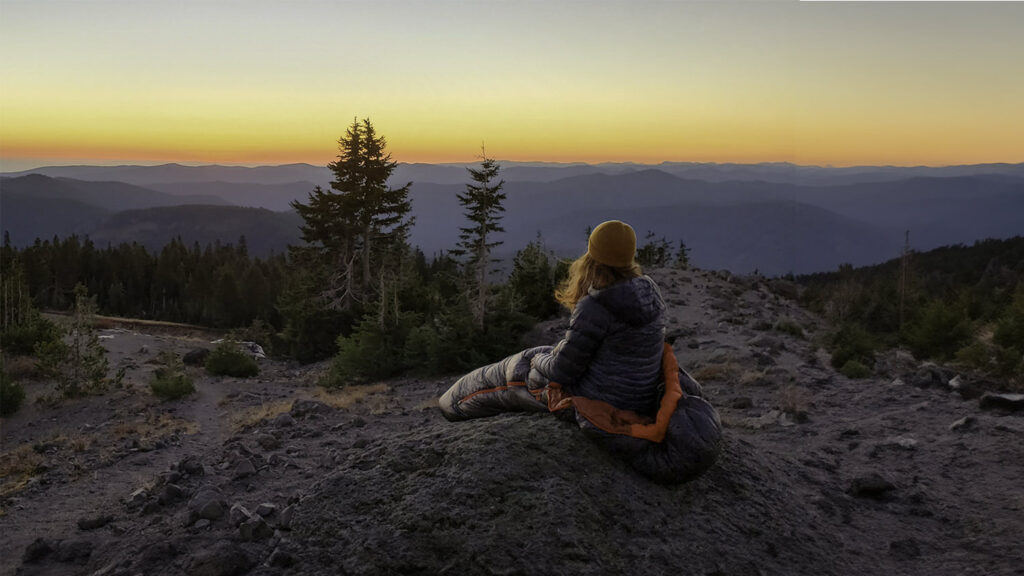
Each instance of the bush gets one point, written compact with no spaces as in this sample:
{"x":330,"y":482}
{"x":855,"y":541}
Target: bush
{"x":227,"y":359}
{"x":791,"y":328}
{"x":854,"y":369}
{"x":23,"y":338}
{"x":170,"y":381}
{"x":941,"y":330}
{"x":851,"y":342}
{"x":11,"y":393}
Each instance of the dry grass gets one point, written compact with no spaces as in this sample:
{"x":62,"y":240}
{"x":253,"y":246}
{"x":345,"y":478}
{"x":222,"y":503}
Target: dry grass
{"x":428,"y":404}
{"x":718,"y":372}
{"x":22,"y":368}
{"x":795,"y":401}
{"x":152,"y":426}
{"x":377,"y":397}
{"x":17,"y":467}
{"x":345,"y":398}
{"x":256,"y":414}
{"x":750,"y":377}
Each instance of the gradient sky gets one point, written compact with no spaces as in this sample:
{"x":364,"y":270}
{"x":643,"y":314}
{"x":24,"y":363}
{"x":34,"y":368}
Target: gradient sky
{"x":145,"y":81}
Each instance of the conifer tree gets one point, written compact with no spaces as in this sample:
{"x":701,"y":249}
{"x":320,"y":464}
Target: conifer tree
{"x":358,"y":218}
{"x":80,"y":364}
{"x":482,"y":202}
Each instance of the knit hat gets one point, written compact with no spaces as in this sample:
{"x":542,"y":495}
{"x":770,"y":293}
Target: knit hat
{"x":612,"y":243}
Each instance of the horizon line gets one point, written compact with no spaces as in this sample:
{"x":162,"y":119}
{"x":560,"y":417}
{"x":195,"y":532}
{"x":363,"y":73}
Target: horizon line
{"x":154,"y":164}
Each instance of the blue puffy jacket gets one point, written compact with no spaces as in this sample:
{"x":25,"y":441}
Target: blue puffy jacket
{"x":613,"y":348}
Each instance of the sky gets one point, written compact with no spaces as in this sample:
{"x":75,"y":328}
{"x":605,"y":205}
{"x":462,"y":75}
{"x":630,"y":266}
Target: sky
{"x":254,"y":82}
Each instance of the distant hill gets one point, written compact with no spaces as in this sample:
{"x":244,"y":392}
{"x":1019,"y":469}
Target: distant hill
{"x":265,"y":231}
{"x":107,"y":195}
{"x":25,"y":218}
{"x":737,"y":224}
{"x":455,"y":173}
{"x":275,"y":197}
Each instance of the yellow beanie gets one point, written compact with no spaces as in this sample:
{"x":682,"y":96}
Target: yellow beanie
{"x":612,"y":243}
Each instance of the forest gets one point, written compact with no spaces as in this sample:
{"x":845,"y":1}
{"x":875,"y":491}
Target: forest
{"x":962,"y":304}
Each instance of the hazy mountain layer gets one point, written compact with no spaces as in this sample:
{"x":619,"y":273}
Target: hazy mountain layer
{"x":737,"y":225}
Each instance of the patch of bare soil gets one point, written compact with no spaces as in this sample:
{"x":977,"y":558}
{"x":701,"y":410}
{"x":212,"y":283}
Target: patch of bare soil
{"x":902,"y":473}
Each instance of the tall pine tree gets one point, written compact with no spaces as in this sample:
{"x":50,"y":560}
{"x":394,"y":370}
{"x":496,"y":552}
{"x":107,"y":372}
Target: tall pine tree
{"x":482,"y":202}
{"x":355,"y":223}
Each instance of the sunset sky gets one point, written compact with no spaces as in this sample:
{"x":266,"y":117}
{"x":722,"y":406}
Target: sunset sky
{"x":251,"y":82}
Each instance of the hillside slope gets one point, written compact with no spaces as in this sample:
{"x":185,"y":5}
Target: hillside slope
{"x":819,"y":474}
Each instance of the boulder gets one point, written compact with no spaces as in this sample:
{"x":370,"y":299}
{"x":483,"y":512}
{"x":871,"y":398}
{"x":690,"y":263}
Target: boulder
{"x":268,"y":441}
{"x":870,"y":486}
{"x":94,"y":522}
{"x":223,"y":558}
{"x":196,"y":356}
{"x":238,"y":514}
{"x":244,"y":469}
{"x":207,"y":503}
{"x":1008,"y":402}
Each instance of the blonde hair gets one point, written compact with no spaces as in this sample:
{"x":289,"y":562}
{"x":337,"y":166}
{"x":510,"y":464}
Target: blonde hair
{"x":586,"y":273}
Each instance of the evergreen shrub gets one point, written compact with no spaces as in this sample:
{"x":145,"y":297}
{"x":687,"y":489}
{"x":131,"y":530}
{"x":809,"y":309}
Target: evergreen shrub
{"x":11,"y":393}
{"x":854,"y":369}
{"x":22,"y":338}
{"x":791,"y":328}
{"x":170,"y":381}
{"x":227,"y":359}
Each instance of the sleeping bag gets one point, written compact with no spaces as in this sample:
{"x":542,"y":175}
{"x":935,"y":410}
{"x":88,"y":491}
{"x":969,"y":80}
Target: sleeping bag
{"x":676,"y":445}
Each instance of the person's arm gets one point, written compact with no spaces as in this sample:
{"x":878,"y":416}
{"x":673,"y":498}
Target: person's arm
{"x":568,"y":361}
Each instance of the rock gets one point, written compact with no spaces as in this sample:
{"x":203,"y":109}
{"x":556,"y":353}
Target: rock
{"x":171,"y":493}
{"x":742,"y":402}
{"x":208,"y":503}
{"x":268,"y":441}
{"x":36,"y":551}
{"x":301,"y":408}
{"x":196,"y":356}
{"x":280,"y":558}
{"x":963,"y":424}
{"x":266,"y":509}
{"x":74,"y":551}
{"x":895,"y":362}
{"x":907,"y":549}
{"x":244,"y":469}
{"x":870,"y":486}
{"x":94,"y":523}
{"x":203,"y":524}
{"x":1009,"y":402}
{"x":221,"y":559}
{"x":144,"y":349}
{"x":966,"y":389}
{"x":764,"y":341}
{"x":285,"y":522}
{"x":255,"y":529}
{"x":150,"y":507}
{"x":904,"y":442}
{"x":929,"y":375}
{"x":191,"y":465}
{"x":138,"y":497}
{"x":284,"y":420}
{"x":238,"y":514}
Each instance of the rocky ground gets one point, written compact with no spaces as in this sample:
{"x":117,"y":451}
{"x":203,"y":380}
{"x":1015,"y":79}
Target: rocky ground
{"x":902,"y":473}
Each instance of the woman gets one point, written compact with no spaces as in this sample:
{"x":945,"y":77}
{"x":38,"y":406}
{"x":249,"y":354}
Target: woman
{"x":612,"y":351}
{"x":612,"y":374}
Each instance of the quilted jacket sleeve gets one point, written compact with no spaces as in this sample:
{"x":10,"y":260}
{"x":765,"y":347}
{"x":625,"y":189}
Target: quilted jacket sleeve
{"x":568,"y":361}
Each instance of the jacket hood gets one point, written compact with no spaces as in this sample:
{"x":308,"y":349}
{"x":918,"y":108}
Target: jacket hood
{"x":635,"y":302}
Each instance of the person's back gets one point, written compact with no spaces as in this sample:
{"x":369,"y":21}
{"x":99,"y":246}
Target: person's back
{"x":612,"y":351}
